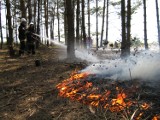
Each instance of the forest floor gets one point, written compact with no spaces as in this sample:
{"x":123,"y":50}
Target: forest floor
{"x":28,"y":92}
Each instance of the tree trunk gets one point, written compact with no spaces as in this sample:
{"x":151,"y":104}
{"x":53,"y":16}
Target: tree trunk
{"x":123,"y":44}
{"x":89,"y":21}
{"x":81,"y":33}
{"x":83,"y":25}
{"x":128,"y":27}
{"x":10,"y":29}
{"x":1,"y":26}
{"x":46,"y":19}
{"x":38,"y":17}
{"x":65,"y":23}
{"x":107,"y":16}
{"x":158,"y":26}
{"x":29,"y":11}
{"x":58,"y":22}
{"x":77,"y":24}
{"x":47,"y":23}
{"x":16,"y":25}
{"x":38,"y":23}
{"x":35,"y":12}
{"x":6,"y":24}
{"x":145,"y":25}
{"x":104,"y":6}
{"x":70,"y":22}
{"x":51,"y":29}
{"x":52,"y":23}
{"x":41,"y":21}
{"x":97,"y":25}
{"x":23,"y":8}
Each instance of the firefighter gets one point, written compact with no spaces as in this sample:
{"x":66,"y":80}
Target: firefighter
{"x":31,"y":39}
{"x":22,"y":36}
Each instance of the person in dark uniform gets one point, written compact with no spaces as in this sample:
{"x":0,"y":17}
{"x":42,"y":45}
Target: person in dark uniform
{"x":22,"y":36}
{"x":31,"y":39}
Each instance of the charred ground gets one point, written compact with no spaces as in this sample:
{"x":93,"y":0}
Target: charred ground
{"x":29,"y":92}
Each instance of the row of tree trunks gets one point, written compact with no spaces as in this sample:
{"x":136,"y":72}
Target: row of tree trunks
{"x":126,"y":31}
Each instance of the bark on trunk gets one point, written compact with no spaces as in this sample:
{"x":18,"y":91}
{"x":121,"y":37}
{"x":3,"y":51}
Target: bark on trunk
{"x":46,"y":19}
{"x":97,"y":25}
{"x":107,"y":17}
{"x":58,"y":21}
{"x":29,"y":11}
{"x":83,"y":25}
{"x":77,"y":24}
{"x":158,"y":26}
{"x":89,"y":21}
{"x":1,"y":27}
{"x":128,"y":27}
{"x":145,"y":25}
{"x":70,"y":22}
{"x":65,"y":23}
{"x":10,"y":29}
{"x":23,"y":8}
{"x":102,"y":31}
{"x":123,"y":44}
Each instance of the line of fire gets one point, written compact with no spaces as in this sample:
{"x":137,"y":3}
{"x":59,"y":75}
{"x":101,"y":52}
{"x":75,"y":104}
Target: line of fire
{"x":114,"y":96}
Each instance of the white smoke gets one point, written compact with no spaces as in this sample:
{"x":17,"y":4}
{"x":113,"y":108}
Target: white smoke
{"x":144,"y":66}
{"x":86,"y":55}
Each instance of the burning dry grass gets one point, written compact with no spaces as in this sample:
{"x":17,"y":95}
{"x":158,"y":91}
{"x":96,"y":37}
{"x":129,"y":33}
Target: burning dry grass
{"x":116,"y":97}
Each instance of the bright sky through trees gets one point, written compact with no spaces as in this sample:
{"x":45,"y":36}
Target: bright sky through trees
{"x":137,"y":25}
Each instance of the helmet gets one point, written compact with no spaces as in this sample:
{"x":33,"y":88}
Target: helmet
{"x":31,"y":23}
{"x":23,"y":20}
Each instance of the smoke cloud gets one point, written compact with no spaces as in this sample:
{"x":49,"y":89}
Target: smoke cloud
{"x":86,"y":55}
{"x":143,"y":66}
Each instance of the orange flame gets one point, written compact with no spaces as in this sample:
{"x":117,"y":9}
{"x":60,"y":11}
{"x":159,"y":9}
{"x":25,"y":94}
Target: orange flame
{"x":84,"y":92}
{"x":78,"y":88}
{"x":156,"y":117}
{"x":139,"y":116}
{"x":119,"y":103}
{"x":145,"y":106}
